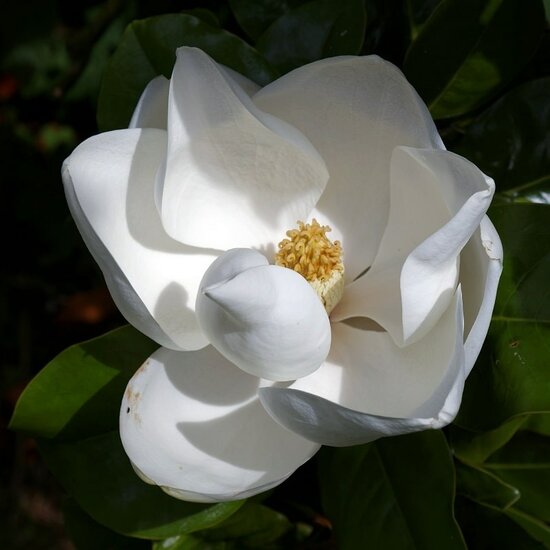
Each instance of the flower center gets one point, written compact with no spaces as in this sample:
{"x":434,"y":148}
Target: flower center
{"x":309,"y":252}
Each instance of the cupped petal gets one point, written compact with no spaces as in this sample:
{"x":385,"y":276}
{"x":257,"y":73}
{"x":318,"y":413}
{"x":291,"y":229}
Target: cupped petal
{"x":355,"y":111}
{"x":234,"y":176}
{"x":191,"y":422}
{"x":370,"y":388}
{"x":152,"y":108}
{"x":265,"y":319}
{"x":438,"y":200}
{"x":153,"y":279}
{"x":480,"y":269}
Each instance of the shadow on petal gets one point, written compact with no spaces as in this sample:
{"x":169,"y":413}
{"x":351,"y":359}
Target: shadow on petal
{"x":238,"y":387}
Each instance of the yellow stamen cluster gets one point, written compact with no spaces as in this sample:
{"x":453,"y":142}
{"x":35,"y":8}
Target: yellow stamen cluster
{"x":309,"y":252}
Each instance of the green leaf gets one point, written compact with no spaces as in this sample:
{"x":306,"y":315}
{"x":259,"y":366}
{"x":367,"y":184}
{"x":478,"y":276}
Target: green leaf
{"x":536,"y":529}
{"x":395,"y":493}
{"x":98,"y":475}
{"x":252,"y":526}
{"x":484,"y":487}
{"x":489,"y":529}
{"x":318,"y":29}
{"x":525,"y":463}
{"x":78,"y":393}
{"x":469,"y":49}
{"x":190,"y":542}
{"x":538,"y":423}
{"x":255,"y":16}
{"x":418,"y":12}
{"x":475,"y":447}
{"x":510,"y":142}
{"x":206,"y":16}
{"x":148,"y":48}
{"x":511,"y":377}
{"x":88,"y":83}
{"x":87,"y":534}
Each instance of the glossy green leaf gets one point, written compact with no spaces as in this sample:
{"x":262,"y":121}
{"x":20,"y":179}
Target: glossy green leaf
{"x":147,"y":49}
{"x":78,"y":393}
{"x":525,"y":463}
{"x":255,"y":16}
{"x":538,"y":423}
{"x":475,"y":447}
{"x":524,"y":450}
{"x":469,"y":49}
{"x":86,"y":534}
{"x":252,"y":526}
{"x":510,"y":142}
{"x":489,"y":529}
{"x":512,"y":377}
{"x":395,"y":493}
{"x":537,"y":529}
{"x":484,"y":487}
{"x":318,"y":29}
{"x":418,"y":12}
{"x":98,"y":475}
{"x":190,"y":542}
{"x":206,"y":16}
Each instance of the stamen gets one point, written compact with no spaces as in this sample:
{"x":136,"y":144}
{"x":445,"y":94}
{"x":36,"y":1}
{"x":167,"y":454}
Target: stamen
{"x":311,"y":253}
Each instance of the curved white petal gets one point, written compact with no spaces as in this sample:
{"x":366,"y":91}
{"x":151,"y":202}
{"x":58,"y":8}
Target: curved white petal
{"x":438,"y":200}
{"x":369,"y":387}
{"x":154,"y":280}
{"x":234,"y":175}
{"x":152,"y":108}
{"x":265,"y":319}
{"x":355,"y":111}
{"x":480,"y":269}
{"x":192,"y":423}
{"x":247,"y":86}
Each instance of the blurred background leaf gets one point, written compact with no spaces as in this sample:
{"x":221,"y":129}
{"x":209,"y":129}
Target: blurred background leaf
{"x":469,"y":49}
{"x":312,"y":31}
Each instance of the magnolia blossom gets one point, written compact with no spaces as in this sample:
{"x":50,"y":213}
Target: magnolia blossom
{"x":362,"y":321}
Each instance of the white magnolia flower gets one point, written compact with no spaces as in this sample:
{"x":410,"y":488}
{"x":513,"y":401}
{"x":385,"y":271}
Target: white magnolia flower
{"x":253,"y":375}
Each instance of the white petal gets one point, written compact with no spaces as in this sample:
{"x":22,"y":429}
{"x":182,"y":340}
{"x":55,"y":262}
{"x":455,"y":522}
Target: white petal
{"x":234,"y":175}
{"x":152,"y":108}
{"x":480,"y":269}
{"x":264,"y":318}
{"x":153,"y":279}
{"x":437,"y":202}
{"x":192,"y":423}
{"x":240,"y":81}
{"x":355,"y":111}
{"x":369,"y":387}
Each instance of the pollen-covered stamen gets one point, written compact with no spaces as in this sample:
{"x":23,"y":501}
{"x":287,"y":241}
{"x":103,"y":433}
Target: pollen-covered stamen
{"x":309,"y":252}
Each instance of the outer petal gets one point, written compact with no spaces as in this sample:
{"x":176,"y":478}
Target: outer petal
{"x":355,"y":111}
{"x":265,"y":319}
{"x":234,"y":175}
{"x":437,"y":202}
{"x":369,"y":387}
{"x":152,"y":108}
{"x":480,"y":269}
{"x":192,"y":423}
{"x":154,"y":280}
